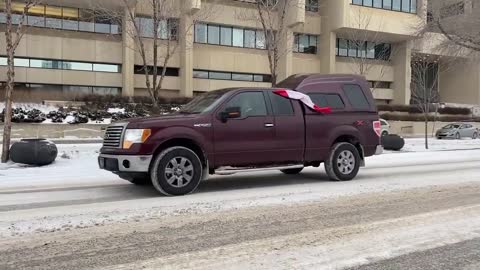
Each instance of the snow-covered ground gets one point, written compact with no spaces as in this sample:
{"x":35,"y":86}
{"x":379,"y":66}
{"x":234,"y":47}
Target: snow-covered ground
{"x":77,"y":163}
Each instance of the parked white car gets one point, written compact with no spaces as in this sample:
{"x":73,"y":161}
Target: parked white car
{"x":385,"y":127}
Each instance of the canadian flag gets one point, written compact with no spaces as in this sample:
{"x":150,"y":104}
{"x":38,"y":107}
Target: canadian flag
{"x":303,"y":98}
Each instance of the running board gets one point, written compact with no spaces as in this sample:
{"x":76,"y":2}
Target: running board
{"x":233,"y":170}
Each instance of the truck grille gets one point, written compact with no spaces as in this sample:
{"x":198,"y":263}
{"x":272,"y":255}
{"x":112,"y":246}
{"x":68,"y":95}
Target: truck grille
{"x":113,"y":136}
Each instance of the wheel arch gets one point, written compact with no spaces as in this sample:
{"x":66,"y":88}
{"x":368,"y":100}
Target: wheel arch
{"x":183,"y":142}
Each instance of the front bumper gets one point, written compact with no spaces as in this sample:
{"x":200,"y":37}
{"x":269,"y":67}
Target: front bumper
{"x":124,"y":163}
{"x":379,"y":150}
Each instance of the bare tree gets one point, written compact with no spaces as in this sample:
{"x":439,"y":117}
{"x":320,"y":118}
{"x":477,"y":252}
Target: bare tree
{"x":271,"y":16}
{"x":13,"y":36}
{"x":424,"y":85}
{"x":367,"y":42}
{"x":458,"y":22}
{"x":157,"y":36}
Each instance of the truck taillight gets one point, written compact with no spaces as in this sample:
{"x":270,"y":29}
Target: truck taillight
{"x":377,"y":127}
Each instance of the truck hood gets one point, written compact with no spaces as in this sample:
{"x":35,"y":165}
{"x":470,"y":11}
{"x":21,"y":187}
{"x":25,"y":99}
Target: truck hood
{"x":161,"y":120}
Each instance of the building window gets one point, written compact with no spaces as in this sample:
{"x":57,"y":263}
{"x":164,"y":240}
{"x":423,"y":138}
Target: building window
{"x":231,"y":76}
{"x":166,"y":29}
{"x":65,"y":18}
{"x":305,"y":43}
{"x":171,"y":72}
{"x":311,"y":5}
{"x":229,"y":36}
{"x":213,"y":34}
{"x":201,"y":33}
{"x":62,"y":64}
{"x":408,"y":6}
{"x":363,"y":49}
{"x":380,"y":84}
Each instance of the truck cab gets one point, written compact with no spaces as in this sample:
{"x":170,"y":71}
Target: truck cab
{"x":249,"y":129}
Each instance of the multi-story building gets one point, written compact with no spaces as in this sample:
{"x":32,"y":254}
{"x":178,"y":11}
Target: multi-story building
{"x":66,"y":53}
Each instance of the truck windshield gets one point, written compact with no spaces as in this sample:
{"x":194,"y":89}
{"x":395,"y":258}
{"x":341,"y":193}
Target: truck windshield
{"x":203,"y":103}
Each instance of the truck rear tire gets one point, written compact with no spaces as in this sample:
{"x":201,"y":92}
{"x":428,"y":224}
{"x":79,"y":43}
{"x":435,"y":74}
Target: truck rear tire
{"x":176,"y":171}
{"x":292,"y":171}
{"x":343,"y":162}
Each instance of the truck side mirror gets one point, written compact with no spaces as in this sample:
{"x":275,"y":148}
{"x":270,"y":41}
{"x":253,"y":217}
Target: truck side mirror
{"x":230,"y":113}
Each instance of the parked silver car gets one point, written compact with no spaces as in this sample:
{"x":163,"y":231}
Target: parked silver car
{"x":385,"y":127}
{"x":457,"y":131}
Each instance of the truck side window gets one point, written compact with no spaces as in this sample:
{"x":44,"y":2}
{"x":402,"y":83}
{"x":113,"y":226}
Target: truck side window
{"x":356,"y":96}
{"x":250,"y":103}
{"x":333,"y":101}
{"x":281,"y":106}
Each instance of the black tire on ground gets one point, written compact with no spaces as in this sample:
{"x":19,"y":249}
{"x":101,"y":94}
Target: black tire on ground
{"x":39,"y":152}
{"x":170,"y":177}
{"x":475,"y":135}
{"x":292,"y":171}
{"x":343,"y":162}
{"x":457,"y":136}
{"x":393,"y":142}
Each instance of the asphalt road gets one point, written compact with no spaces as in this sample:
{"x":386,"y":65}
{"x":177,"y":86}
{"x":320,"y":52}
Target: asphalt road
{"x":332,"y":233}
{"x":460,"y":256}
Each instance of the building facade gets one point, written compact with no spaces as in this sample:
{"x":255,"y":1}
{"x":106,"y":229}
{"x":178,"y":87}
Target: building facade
{"x":67,"y":51}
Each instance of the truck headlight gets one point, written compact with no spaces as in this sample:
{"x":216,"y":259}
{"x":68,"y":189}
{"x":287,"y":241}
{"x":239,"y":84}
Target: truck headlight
{"x":135,"y":136}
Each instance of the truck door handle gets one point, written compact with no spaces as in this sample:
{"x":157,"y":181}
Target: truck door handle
{"x":268,"y":125}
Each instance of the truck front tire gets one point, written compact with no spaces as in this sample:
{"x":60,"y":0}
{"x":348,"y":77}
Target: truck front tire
{"x":176,"y":171}
{"x":343,"y":162}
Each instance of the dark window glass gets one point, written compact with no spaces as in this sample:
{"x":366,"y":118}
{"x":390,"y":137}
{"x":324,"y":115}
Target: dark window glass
{"x":226,"y":36}
{"x":200,"y":74}
{"x":281,"y":105}
{"x":396,"y":5}
{"x":213,"y":34}
{"x":258,"y":78}
{"x":70,"y":25}
{"x":249,"y":39}
{"x":260,"y":40}
{"x":237,"y":37}
{"x":313,"y":45}
{"x":219,"y":75}
{"x":352,"y":48}
{"x":3,"y":17}
{"x":38,"y":21}
{"x":356,"y":96}
{"x":53,"y":23}
{"x":343,"y":47}
{"x":38,"y":63}
{"x":303,"y":43}
{"x":387,"y":4}
{"x":406,"y":5}
{"x":242,"y":77}
{"x":311,"y":5}
{"x":334,"y":101}
{"x":105,"y":68}
{"x":78,"y":66}
{"x":319,"y":99}
{"x":250,"y":103}
{"x":413,"y":7}
{"x":201,"y":33}
{"x":357,"y":2}
{"x":377,"y":3}
{"x":368,"y":3}
{"x":370,"y":50}
{"x":21,"y":62}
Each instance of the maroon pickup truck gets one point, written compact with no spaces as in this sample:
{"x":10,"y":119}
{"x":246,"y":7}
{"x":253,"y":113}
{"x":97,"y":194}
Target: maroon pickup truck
{"x":249,"y":129}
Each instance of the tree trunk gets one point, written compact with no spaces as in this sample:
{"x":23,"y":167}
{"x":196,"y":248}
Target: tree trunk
{"x":7,"y":127}
{"x":426,"y":133}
